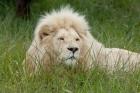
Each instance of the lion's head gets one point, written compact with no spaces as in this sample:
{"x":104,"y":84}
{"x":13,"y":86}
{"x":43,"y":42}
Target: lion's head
{"x":62,"y":35}
{"x":65,"y":44}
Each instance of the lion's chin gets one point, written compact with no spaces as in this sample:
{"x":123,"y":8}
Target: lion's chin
{"x":71,"y":62}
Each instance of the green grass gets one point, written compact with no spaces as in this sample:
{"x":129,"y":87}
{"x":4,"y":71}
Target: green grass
{"x":115,"y":23}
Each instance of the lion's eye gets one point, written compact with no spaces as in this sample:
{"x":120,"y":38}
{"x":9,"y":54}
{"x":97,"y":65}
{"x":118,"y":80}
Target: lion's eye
{"x":77,"y":39}
{"x":61,"y":38}
{"x":45,"y":34}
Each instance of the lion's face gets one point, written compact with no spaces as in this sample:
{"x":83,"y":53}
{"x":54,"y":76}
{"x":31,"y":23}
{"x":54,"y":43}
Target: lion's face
{"x":66,"y":44}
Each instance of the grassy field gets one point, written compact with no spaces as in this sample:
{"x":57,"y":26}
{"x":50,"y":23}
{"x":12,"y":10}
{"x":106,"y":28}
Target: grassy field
{"x":115,"y":23}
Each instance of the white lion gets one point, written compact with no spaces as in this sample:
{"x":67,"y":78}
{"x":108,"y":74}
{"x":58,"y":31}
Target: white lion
{"x":63,"y":37}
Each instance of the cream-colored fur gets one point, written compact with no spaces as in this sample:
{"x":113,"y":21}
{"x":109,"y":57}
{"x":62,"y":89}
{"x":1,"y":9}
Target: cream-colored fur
{"x":59,"y":30}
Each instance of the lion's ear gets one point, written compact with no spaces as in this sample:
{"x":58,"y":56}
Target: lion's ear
{"x":82,"y":34}
{"x":42,"y":35}
{"x":44,"y":32}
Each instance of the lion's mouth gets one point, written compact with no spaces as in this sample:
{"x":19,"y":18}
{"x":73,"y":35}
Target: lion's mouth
{"x":71,"y":58}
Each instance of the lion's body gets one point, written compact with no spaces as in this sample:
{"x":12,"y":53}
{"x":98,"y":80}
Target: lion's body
{"x":60,"y":31}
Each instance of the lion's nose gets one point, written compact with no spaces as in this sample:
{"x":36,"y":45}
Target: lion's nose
{"x":73,"y":49}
